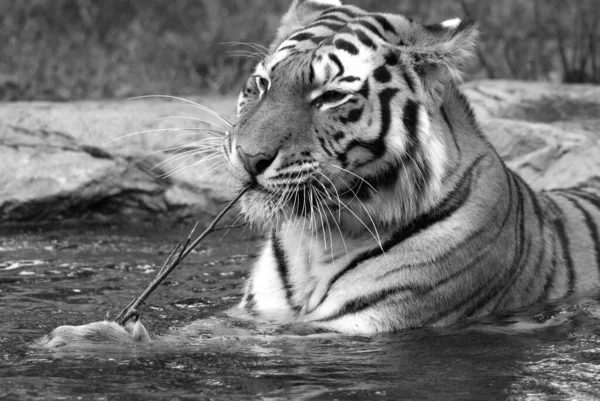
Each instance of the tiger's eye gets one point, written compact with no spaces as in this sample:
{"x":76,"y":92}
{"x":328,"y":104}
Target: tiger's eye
{"x":332,"y":96}
{"x":262,"y":83}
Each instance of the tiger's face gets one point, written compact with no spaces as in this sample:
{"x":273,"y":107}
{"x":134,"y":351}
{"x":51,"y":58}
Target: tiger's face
{"x":334,"y":122}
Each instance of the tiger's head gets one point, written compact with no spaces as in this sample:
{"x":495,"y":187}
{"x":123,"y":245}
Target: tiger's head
{"x":339,"y":118}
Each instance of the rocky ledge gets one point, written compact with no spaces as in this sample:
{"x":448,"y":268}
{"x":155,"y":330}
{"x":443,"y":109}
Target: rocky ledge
{"x":130,"y":160}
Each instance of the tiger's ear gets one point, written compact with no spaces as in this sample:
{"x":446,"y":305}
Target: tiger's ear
{"x":440,"y":51}
{"x":301,"y":14}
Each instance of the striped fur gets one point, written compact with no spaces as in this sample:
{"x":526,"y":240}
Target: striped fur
{"x":386,"y":206}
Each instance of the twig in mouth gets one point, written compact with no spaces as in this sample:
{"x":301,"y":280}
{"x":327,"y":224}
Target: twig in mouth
{"x":175,"y":257}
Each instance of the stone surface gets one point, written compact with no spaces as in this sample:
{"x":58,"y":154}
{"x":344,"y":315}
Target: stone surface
{"x":92,"y":160}
{"x":548,"y":133}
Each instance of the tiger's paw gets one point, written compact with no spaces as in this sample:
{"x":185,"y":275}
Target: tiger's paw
{"x":97,"y":333}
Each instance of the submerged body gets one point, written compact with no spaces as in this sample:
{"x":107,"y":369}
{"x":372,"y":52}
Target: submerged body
{"x":386,"y":207}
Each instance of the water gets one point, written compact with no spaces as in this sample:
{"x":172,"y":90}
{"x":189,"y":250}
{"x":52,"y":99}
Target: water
{"x":54,"y":276}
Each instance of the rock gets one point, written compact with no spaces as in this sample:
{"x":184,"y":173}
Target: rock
{"x":548,"y":133}
{"x":85,"y":160}
{"x":57,"y":161}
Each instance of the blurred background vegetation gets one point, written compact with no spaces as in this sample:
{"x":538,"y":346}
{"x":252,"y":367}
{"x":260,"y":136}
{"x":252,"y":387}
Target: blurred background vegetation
{"x":90,"y":49}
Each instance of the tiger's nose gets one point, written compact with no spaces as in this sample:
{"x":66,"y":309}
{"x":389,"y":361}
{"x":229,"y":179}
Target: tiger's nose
{"x":256,"y":164}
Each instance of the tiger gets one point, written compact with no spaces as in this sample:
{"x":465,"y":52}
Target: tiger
{"x":384,"y":205}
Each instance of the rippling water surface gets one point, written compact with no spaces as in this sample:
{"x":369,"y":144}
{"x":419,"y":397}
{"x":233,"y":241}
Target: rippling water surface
{"x":50,"y":277}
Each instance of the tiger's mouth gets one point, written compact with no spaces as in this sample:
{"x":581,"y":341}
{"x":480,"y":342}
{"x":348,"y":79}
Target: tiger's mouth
{"x":311,"y":200}
{"x":271,"y":206}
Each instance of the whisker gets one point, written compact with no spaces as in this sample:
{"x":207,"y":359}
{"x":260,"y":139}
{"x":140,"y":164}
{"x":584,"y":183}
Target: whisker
{"x":207,"y":170}
{"x":195,"y":119}
{"x":218,"y":134}
{"x":188,"y":154}
{"x":357,"y":176}
{"x":339,"y":199}
{"x":416,"y":166}
{"x":199,"y":106}
{"x":211,"y":169}
{"x":178,"y":169}
{"x":166,"y":130}
{"x":320,"y":202}
{"x":247,"y":54}
{"x":372,"y":221}
{"x":334,"y":219}
{"x":175,"y":155}
{"x":258,"y":47}
{"x":375,"y":236}
{"x":202,"y":142}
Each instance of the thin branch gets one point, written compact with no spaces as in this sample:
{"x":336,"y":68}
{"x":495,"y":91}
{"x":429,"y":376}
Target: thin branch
{"x":231,"y":227}
{"x":173,"y":261}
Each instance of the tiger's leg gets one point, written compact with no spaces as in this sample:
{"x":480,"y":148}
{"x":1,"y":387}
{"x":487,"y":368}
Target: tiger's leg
{"x":97,"y":333}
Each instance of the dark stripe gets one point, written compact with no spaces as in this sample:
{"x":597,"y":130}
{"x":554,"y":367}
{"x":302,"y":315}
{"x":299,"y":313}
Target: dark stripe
{"x":365,"y":39}
{"x":561,"y":234}
{"x":541,"y":217}
{"x":420,"y":290}
{"x":332,"y":26}
{"x":483,"y":293}
{"x":523,"y":242}
{"x":338,"y":136}
{"x":593,"y":199}
{"x":458,"y":247}
{"x":322,"y":142}
{"x":250,"y":302}
{"x":385,"y":178}
{"x":318,"y":40}
{"x":533,"y":197}
{"x":385,"y":100}
{"x":311,"y":73}
{"x":346,"y":46}
{"x":338,"y":63}
{"x":349,"y":78}
{"x":382,"y":74}
{"x":377,"y":146}
{"x":590,"y":223}
{"x":353,"y":116}
{"x":446,"y":208}
{"x":483,"y":290}
{"x":301,"y":36}
{"x":365,"y":90}
{"x":290,"y":175}
{"x":385,"y":24}
{"x":435,"y":28}
{"x":551,"y":274}
{"x":363,"y":302}
{"x":282,"y":269}
{"x":450,"y":127}
{"x":391,"y":59}
{"x":410,"y":119}
{"x":469,"y":110}
{"x":521,"y":256}
{"x":287,"y":47}
{"x":333,"y":18}
{"x":340,"y":10}
{"x":371,"y":28}
{"x":320,"y":7}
